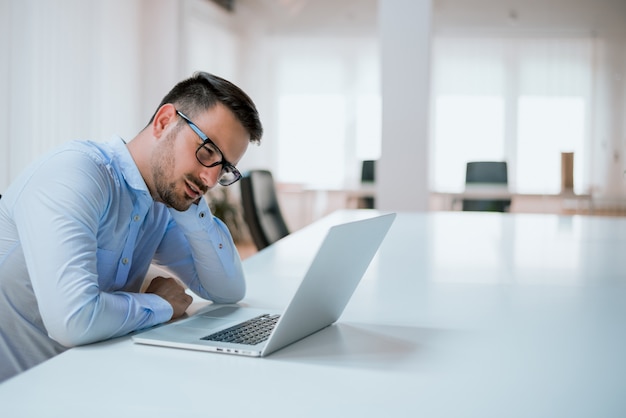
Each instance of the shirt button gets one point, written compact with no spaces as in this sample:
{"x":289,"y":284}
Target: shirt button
{"x":124,"y":260}
{"x":221,"y":246}
{"x":202,"y":214}
{"x":136,"y":218}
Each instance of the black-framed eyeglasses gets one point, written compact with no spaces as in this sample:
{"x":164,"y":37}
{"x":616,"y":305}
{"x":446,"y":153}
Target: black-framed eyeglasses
{"x":209,"y":155}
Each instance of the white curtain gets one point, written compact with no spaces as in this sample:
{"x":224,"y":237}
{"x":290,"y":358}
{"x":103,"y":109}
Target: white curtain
{"x":70,"y":73}
{"x":522,"y":100}
{"x":327,"y":94}
{"x":87,"y":69}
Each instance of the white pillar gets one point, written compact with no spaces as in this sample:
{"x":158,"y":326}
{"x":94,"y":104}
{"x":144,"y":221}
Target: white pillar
{"x":609,"y":131}
{"x":402,"y":172}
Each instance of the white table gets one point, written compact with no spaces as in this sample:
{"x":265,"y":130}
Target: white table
{"x":564,"y":202}
{"x":461,"y":314}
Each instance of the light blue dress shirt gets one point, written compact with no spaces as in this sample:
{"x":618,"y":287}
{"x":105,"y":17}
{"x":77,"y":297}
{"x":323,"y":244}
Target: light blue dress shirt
{"x":78,"y":232}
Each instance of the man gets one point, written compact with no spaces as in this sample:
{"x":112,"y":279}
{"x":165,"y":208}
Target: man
{"x":81,"y":226}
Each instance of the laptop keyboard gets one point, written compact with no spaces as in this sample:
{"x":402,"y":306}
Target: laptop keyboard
{"x":251,"y":332}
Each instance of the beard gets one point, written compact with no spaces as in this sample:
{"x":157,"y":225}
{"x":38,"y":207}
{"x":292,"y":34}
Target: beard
{"x":166,"y":188}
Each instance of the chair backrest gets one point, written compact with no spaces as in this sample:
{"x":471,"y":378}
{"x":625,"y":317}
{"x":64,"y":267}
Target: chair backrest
{"x":261,"y":210}
{"x":487,"y":172}
{"x":492,"y":172}
{"x":368,"y":171}
{"x":368,"y":177}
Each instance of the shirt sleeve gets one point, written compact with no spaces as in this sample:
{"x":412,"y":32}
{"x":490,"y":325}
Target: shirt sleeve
{"x":199,"y":249}
{"x":57,"y":215}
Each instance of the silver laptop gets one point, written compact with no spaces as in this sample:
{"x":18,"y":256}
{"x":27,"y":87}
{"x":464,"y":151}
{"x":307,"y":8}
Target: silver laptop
{"x":324,"y":292}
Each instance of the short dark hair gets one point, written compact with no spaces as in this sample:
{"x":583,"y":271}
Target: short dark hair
{"x":203,"y":90}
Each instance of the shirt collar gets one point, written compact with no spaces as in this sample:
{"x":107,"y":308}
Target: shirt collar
{"x":127,"y":165}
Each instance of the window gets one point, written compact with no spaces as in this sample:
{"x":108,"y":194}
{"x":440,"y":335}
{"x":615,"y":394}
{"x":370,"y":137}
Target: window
{"x":311,"y":128}
{"x":329,"y":116}
{"x":467,"y":128}
{"x":520,"y":100}
{"x":547,"y":126}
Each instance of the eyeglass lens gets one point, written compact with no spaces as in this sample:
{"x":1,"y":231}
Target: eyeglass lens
{"x":209,"y":155}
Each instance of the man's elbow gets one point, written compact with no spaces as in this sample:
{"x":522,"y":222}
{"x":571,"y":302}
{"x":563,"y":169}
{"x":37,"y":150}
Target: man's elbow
{"x":233,"y":296}
{"x":68,"y":337}
{"x":75,"y":330}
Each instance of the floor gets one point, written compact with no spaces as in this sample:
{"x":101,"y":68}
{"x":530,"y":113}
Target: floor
{"x":246,"y":250}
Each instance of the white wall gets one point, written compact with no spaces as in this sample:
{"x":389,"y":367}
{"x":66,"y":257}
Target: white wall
{"x":160,"y":56}
{"x":71,"y":72}
{"x":406,"y":71}
{"x":602,"y":20}
{"x":87,"y":68}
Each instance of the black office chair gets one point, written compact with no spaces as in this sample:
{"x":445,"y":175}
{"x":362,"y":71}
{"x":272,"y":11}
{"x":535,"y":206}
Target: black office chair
{"x":260,"y":208}
{"x":486,"y":173}
{"x":368,"y":176}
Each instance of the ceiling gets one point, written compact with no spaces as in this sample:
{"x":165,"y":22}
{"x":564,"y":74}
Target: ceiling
{"x":359,"y":17}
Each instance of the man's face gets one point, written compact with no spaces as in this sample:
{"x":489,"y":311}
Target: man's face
{"x":178,"y":177}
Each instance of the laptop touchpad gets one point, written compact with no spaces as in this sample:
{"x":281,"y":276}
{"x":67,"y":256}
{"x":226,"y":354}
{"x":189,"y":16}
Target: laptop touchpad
{"x":224,"y":311}
{"x":213,"y":319}
{"x":202,"y":322}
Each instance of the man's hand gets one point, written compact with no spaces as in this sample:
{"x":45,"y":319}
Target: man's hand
{"x":173,"y":292}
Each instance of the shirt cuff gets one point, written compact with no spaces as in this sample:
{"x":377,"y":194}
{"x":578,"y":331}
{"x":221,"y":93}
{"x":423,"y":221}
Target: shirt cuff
{"x":197,"y":217}
{"x":161,"y":309}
